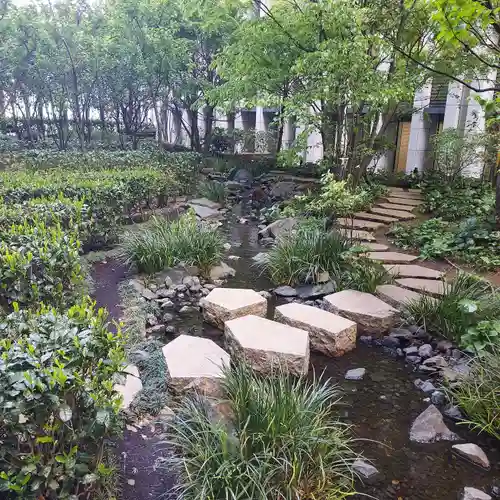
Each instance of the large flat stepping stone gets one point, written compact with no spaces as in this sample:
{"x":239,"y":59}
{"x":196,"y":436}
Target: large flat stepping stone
{"x":375,"y":217}
{"x":205,"y":202}
{"x":397,"y":296}
{"x":391,"y":257}
{"x":405,"y":192}
{"x":413,"y":271}
{"x":204,"y":212}
{"x":131,"y":386}
{"x":374,"y":247}
{"x":405,"y":196}
{"x":398,"y":214}
{"x":191,"y":359}
{"x":405,"y":201}
{"x":328,"y":333}
{"x":359,"y":224}
{"x":434,"y":287}
{"x":356,"y":234}
{"x":370,"y":313}
{"x":268,"y":346}
{"x":393,"y":206}
{"x":224,"y":304}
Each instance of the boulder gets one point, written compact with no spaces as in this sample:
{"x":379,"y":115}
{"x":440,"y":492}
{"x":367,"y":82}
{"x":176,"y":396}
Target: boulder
{"x":328,"y":333}
{"x":224,"y":304}
{"x":474,"y":494}
{"x":278,"y":228}
{"x":306,"y":292}
{"x":221,"y":271}
{"x":283,"y":189}
{"x":241,"y":176}
{"x":191,"y":359}
{"x":370,"y":313}
{"x":429,"y":427}
{"x":267,"y":345}
{"x":261,"y":258}
{"x":473,"y":453}
{"x":285,"y":291}
{"x":366,"y":471}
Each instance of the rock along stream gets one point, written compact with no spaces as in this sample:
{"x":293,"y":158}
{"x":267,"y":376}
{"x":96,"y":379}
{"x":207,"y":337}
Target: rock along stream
{"x":381,"y":407}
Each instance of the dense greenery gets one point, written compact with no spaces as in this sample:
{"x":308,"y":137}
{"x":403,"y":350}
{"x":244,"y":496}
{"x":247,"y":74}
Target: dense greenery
{"x":281,"y":439}
{"x":466,"y":313}
{"x":478,"y":393}
{"x":167,"y":243}
{"x":57,"y":403}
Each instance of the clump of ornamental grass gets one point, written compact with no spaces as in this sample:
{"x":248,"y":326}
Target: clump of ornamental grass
{"x":281,"y":440}
{"x":166,"y":243}
{"x":364,"y":275}
{"x":466,"y":301}
{"x":478,"y":393}
{"x":214,"y":191}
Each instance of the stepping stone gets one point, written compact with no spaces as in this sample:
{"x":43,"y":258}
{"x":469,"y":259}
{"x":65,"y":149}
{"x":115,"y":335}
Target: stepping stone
{"x":224,"y":304}
{"x":328,"y":333}
{"x":391,"y":257}
{"x":189,"y":359}
{"x":370,"y":313}
{"x":403,"y":190}
{"x":434,"y":287}
{"x":204,"y":212}
{"x":405,"y":195}
{"x":393,"y":206}
{"x":131,"y":387}
{"x":374,"y":247}
{"x":375,"y":217}
{"x":268,"y":346}
{"x":356,"y":234}
{"x":429,"y":427}
{"x":398,"y":214}
{"x":397,"y":296}
{"x":405,"y":201}
{"x":413,"y":271}
{"x":205,"y":202}
{"x":359,"y":224}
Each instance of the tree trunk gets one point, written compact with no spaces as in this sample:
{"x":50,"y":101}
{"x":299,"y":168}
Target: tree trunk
{"x":497,"y":199}
{"x":209,"y":125}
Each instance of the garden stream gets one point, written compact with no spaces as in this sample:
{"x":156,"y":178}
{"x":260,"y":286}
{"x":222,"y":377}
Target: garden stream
{"x":381,"y":407}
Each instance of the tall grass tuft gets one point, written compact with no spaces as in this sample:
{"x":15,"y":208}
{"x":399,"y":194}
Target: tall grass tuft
{"x":281,"y":441}
{"x":450,"y":316}
{"x":214,"y":191}
{"x":365,"y":275}
{"x":301,"y":256}
{"x":478,"y":393}
{"x":167,"y":243}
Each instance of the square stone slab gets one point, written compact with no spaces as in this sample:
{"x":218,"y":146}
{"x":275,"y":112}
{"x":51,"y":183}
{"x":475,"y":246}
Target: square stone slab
{"x":394,"y":206}
{"x":205,"y":202}
{"x":330,"y":334}
{"x":370,"y":313}
{"x":405,"y":201}
{"x":356,"y":234}
{"x":224,"y":304}
{"x":190,"y":358}
{"x":398,"y":214}
{"x":434,"y":287}
{"x":412,"y":193}
{"x":374,"y":247}
{"x":397,"y":296}
{"x":375,"y":217}
{"x":131,"y":387}
{"x":413,"y":271}
{"x":391,"y":257}
{"x":359,"y":224}
{"x":267,"y":345}
{"x":204,"y":212}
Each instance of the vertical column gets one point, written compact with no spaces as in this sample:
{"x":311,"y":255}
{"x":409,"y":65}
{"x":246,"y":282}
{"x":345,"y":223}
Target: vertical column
{"x":419,"y":131}
{"x":260,"y":131}
{"x":289,"y":130}
{"x":456,"y":105}
{"x":185,"y":139}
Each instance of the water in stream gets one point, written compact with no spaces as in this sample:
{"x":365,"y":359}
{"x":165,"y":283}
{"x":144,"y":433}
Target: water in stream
{"x":380,"y":408}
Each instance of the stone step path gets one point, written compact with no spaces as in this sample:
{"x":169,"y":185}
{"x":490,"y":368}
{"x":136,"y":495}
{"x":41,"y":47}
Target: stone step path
{"x":432,"y":287}
{"x":391,"y":257}
{"x":413,"y":271}
{"x":404,"y":201}
{"x":375,"y":217}
{"x":359,"y":224}
{"x":396,"y":296}
{"x":397,"y":214}
{"x":405,"y":195}
{"x":394,"y":206}
{"x":356,"y":234}
{"x":375,"y":247}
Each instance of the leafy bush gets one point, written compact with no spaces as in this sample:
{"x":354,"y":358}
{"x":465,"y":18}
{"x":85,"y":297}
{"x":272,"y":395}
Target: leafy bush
{"x":472,"y":240}
{"x":214,"y":191}
{"x":364,"y":274}
{"x":39,"y":264}
{"x":282,"y":440}
{"x":57,"y":402}
{"x":466,"y":313}
{"x":167,"y":243}
{"x":478,"y":393}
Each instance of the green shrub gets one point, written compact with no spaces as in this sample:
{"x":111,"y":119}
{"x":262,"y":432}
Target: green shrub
{"x":304,"y":254}
{"x":364,"y":275}
{"x":214,"y":191}
{"x":39,"y":264}
{"x":167,"y":243}
{"x":57,"y":402}
{"x":282,"y":440}
{"x":460,"y":313}
{"x":478,"y":393}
